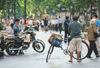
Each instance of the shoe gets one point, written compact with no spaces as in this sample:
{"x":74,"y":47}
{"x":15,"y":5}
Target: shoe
{"x":70,"y":61}
{"x":21,"y":52}
{"x":78,"y":60}
{"x":89,"y":57}
{"x":97,"y":56}
{"x":2,"y":54}
{"x":65,"y":41}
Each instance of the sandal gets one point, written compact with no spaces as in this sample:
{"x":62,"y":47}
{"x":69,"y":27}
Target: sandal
{"x":78,"y":60}
{"x":70,"y":61}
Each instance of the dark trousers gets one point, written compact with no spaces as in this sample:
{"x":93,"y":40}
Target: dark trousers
{"x":60,"y":27}
{"x":26,"y":28}
{"x":92,"y":48}
{"x":36,"y":28}
{"x":53,"y":27}
{"x":56,"y":27}
{"x":66,"y":33}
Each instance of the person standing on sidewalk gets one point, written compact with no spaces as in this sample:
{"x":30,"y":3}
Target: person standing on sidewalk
{"x":60,"y":21}
{"x":30,"y":21}
{"x":46,"y":24}
{"x":8,"y":28}
{"x":66,"y":25}
{"x":75,"y":29}
{"x":53,"y":24}
{"x":92,"y":39}
{"x":56,"y":21}
{"x":98,"y":29}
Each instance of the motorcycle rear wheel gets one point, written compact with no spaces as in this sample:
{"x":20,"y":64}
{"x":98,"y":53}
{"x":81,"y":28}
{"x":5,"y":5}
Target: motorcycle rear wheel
{"x":11,"y":45}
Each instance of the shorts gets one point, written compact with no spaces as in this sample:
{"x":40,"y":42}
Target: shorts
{"x":75,"y":43}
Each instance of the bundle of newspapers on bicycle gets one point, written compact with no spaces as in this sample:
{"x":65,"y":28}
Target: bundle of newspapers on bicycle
{"x":10,"y":36}
{"x":55,"y":39}
{"x":4,"y":33}
{"x":25,"y":37}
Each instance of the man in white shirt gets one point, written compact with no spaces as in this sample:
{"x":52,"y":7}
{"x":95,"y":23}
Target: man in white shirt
{"x":60,"y":21}
{"x":53,"y":24}
{"x":56,"y":26}
{"x":30,"y":21}
{"x":8,"y":28}
{"x":11,"y":21}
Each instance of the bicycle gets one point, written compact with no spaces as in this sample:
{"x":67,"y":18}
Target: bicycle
{"x":56,"y":42}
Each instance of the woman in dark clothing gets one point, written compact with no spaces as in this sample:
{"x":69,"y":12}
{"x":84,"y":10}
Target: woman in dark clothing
{"x":91,"y":38}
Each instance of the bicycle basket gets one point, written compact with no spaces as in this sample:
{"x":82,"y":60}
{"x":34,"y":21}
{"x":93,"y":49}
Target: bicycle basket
{"x":55,"y":39}
{"x":57,"y":43}
{"x":51,"y":38}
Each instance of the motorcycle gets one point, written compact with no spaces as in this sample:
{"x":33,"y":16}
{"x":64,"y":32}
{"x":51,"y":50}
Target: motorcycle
{"x":2,"y":46}
{"x":21,"y":43}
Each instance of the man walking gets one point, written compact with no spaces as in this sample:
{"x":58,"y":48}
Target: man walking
{"x":75,"y":29}
{"x":98,"y":29}
{"x":66,"y":25}
{"x":60,"y":21}
{"x":46,"y":24}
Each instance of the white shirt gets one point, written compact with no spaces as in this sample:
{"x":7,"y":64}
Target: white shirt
{"x":11,"y":21}
{"x":42,"y":22}
{"x":38,"y":21}
{"x":9,"y":30}
{"x":53,"y":21}
{"x":30,"y":22}
{"x":92,"y":20}
{"x":56,"y":21}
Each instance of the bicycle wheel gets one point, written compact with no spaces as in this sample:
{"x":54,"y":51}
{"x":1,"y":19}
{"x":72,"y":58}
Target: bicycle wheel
{"x":84,"y":51}
{"x":49,"y":53}
{"x":38,"y":46}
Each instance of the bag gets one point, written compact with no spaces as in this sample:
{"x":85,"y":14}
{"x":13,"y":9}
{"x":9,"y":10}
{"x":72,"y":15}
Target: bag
{"x":96,"y":35}
{"x":55,"y":39}
{"x":57,"y":43}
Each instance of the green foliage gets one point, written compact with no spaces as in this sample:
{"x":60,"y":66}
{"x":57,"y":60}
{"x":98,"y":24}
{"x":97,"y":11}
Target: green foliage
{"x":2,"y":4}
{"x":39,"y":7}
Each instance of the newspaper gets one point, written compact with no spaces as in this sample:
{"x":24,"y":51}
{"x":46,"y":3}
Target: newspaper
{"x":27,"y":38}
{"x":58,"y":36}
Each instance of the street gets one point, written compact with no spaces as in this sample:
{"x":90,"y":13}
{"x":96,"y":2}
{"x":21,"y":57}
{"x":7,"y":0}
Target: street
{"x":32,"y":59}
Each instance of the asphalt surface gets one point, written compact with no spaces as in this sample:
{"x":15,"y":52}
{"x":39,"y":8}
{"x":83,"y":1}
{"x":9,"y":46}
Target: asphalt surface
{"x":32,"y":59}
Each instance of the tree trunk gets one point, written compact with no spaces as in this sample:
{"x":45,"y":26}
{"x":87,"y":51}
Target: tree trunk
{"x":99,"y":11}
{"x":1,"y":15}
{"x":86,"y":18}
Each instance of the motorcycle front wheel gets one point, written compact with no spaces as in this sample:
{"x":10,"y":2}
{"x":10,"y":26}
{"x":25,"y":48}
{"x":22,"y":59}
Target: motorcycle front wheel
{"x":38,"y":46}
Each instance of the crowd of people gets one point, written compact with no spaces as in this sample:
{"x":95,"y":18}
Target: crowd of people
{"x":72,"y":28}
{"x":93,"y":30}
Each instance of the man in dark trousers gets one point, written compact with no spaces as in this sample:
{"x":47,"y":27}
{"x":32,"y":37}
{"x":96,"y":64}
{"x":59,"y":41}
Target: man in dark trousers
{"x":46,"y":24}
{"x":66,"y":25}
{"x":60,"y":21}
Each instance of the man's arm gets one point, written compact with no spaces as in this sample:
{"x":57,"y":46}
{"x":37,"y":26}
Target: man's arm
{"x":94,"y":28}
{"x":69,"y":29}
{"x":81,"y":28}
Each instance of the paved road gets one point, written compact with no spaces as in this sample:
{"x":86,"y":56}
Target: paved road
{"x":32,"y":59}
